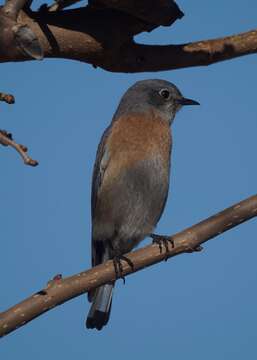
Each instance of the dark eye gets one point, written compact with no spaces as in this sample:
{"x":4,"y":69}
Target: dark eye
{"x":165,"y":94}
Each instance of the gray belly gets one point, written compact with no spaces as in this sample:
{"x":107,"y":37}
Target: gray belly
{"x":131,"y":208}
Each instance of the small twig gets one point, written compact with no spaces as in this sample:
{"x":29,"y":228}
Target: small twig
{"x":7,"y":140}
{"x":9,"y":99}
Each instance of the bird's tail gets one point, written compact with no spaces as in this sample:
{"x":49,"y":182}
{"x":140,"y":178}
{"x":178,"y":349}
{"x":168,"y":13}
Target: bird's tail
{"x":99,"y":312}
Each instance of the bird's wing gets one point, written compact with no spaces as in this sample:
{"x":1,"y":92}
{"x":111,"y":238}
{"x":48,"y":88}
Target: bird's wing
{"x":101,"y":163}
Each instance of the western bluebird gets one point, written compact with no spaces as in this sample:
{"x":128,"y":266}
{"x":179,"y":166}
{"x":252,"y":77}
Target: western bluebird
{"x":131,"y":178}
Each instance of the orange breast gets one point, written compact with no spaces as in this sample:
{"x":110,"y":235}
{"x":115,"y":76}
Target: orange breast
{"x":137,"y":138}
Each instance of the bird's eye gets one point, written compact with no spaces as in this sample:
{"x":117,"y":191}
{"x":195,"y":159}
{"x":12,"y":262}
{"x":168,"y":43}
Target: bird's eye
{"x":165,"y":94}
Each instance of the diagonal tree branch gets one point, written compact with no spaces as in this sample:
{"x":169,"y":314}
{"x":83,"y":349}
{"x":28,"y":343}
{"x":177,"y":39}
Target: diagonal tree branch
{"x":61,"y":290}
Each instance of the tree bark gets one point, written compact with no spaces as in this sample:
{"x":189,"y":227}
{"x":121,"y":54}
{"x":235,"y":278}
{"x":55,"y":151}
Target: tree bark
{"x":61,"y":290}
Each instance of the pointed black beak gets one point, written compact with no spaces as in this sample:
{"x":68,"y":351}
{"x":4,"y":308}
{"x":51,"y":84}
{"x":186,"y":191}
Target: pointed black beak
{"x":184,"y":101}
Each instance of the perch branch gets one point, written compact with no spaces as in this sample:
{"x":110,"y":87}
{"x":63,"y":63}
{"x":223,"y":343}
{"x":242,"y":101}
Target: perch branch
{"x":7,"y":140}
{"x":60,"y":290}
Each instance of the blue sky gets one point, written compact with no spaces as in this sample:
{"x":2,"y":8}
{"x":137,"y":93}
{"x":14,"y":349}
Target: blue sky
{"x":198,"y":306}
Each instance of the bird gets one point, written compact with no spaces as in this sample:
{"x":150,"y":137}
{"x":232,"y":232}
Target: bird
{"x":130,"y":181}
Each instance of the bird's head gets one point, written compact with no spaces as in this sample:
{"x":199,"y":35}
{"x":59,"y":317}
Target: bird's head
{"x":155,"y":94}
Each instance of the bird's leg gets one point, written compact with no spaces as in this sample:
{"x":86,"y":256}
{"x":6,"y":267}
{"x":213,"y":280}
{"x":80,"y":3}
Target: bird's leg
{"x":128,"y":261}
{"x":163,"y":240}
{"x":117,"y":258}
{"x":118,"y":267}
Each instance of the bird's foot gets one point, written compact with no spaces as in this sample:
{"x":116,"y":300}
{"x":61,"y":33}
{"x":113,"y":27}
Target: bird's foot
{"x":118,"y":267}
{"x":163,"y":241}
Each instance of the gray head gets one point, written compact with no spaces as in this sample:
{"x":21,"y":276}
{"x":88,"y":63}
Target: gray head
{"x":159,"y":95}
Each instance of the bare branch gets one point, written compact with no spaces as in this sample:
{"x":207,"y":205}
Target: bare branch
{"x":76,"y":34}
{"x":60,"y":290}
{"x":140,"y":58}
{"x":7,"y":140}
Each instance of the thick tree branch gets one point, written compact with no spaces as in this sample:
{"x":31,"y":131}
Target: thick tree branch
{"x":162,"y":12}
{"x":140,"y":58}
{"x":104,"y":38}
{"x":61,"y":290}
{"x":20,"y":35}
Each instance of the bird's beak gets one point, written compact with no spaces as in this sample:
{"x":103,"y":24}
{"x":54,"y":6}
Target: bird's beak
{"x":184,"y":101}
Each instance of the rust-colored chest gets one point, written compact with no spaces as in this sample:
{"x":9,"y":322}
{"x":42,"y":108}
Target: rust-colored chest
{"x":138,"y":137}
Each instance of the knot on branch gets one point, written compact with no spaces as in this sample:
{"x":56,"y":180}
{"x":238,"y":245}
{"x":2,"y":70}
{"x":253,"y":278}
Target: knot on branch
{"x":17,"y":39}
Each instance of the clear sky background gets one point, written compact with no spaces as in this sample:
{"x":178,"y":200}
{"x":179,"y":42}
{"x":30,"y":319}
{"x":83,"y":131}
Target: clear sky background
{"x":198,"y":306}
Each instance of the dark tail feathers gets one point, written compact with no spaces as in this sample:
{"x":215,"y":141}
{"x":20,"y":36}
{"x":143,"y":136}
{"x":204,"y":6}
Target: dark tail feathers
{"x":99,"y":312}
